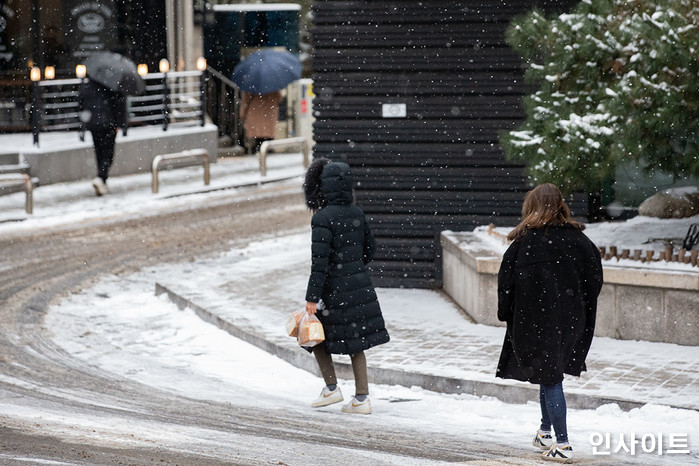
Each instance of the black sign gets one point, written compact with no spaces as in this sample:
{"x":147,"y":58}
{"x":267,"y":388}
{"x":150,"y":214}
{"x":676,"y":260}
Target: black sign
{"x":7,"y":16}
{"x":90,"y":26}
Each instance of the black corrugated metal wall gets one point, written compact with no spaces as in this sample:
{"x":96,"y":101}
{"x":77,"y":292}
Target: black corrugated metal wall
{"x":440,"y":166}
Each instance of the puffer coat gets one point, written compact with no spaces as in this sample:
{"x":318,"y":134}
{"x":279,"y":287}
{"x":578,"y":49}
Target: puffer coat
{"x":548,"y":285}
{"x":342,"y":245}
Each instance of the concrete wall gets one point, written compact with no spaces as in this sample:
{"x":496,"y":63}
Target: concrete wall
{"x":635,"y":303}
{"x":63,"y":157}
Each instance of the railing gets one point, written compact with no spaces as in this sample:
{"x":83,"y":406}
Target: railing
{"x":23,"y":180}
{"x":223,"y":106}
{"x":185,"y":158}
{"x":289,"y":143}
{"x":170,"y":98}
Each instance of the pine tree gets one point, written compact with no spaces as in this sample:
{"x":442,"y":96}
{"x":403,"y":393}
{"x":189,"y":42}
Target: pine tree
{"x":616,"y":81}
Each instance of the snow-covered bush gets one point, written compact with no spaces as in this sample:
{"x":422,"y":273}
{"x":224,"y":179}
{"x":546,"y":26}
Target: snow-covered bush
{"x":617,"y":81}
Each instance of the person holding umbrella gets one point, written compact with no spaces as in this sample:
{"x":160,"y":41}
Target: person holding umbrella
{"x":111,"y":77}
{"x":261,"y":76}
{"x":259,"y":113}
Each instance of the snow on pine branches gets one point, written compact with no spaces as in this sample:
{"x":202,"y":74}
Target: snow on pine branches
{"x":616,"y":82}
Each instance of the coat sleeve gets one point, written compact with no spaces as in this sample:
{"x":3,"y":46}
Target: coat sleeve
{"x":321,"y":241}
{"x":506,"y":283}
{"x":369,"y":244}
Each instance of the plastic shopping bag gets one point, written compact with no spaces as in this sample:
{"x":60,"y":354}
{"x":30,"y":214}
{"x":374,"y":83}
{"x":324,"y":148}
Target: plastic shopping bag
{"x":292,"y":323}
{"x":310,"y":330}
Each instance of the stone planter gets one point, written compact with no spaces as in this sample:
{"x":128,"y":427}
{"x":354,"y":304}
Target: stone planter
{"x":635,"y":304}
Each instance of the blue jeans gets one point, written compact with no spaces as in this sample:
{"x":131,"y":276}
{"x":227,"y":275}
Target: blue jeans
{"x":553,"y":410}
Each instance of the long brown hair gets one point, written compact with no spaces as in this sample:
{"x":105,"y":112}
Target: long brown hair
{"x":543,"y":207}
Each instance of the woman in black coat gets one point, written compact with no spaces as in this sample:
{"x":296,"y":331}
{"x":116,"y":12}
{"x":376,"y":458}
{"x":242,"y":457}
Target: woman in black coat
{"x":548,"y":285}
{"x":342,"y":245}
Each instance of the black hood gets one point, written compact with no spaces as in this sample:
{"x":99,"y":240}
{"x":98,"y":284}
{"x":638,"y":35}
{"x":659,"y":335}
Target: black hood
{"x":336,"y":183}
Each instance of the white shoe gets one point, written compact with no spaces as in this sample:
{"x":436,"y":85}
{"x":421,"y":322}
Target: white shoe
{"x":542,"y":441}
{"x":328,"y":397}
{"x":100,"y":186}
{"x":358,"y":407}
{"x":557,"y":453}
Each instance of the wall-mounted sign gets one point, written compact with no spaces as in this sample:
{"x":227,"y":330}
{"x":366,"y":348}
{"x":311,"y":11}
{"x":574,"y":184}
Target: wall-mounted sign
{"x":91,"y":26}
{"x":7,"y":15}
{"x":394,"y":110}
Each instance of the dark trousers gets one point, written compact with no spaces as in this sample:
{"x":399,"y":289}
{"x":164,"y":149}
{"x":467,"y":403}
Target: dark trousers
{"x":327,"y":369}
{"x":104,"y":139}
{"x":553,"y":410}
{"x":257,"y":143}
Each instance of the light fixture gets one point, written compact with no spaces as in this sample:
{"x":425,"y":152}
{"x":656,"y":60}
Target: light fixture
{"x":143,"y":69}
{"x":164,"y":65}
{"x":35,"y":74}
{"x":201,"y":63}
{"x":80,"y":71}
{"x":49,"y":72}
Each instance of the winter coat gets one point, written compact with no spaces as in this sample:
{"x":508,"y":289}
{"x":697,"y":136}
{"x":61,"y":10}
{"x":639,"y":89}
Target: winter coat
{"x":342,"y":245}
{"x":548,"y":285}
{"x":106,"y":109}
{"x":259,"y":113}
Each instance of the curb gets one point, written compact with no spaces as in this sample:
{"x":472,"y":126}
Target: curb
{"x":507,"y":393}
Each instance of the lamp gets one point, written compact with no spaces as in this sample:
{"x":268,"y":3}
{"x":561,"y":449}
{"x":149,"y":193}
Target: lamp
{"x":142,"y":69}
{"x":35,"y":74}
{"x":49,"y":72}
{"x":81,"y":71}
{"x":201,"y":63}
{"x":164,"y":65}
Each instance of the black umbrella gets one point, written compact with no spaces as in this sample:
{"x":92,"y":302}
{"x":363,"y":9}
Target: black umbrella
{"x":266,"y":71}
{"x":115,"y":72}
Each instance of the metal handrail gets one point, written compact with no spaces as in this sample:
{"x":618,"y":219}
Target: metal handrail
{"x":21,"y":179}
{"x":282,"y":144}
{"x":182,"y":159}
{"x":221,"y":77}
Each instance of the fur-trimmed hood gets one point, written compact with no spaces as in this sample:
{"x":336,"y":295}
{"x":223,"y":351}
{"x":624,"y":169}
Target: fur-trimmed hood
{"x":327,"y":183}
{"x":336,"y":183}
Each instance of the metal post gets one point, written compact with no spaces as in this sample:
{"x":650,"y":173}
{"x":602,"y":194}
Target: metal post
{"x":35,"y":112}
{"x":166,"y":102}
{"x":202,"y":85}
{"x":81,"y":131}
{"x":29,"y":191}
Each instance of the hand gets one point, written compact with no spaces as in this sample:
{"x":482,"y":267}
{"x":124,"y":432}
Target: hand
{"x":311,"y":308}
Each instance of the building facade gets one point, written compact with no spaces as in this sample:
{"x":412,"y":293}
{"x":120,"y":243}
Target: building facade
{"x":61,"y":33}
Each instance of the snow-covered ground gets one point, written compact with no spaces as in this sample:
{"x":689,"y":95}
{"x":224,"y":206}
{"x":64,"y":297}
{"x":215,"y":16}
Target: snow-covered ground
{"x":137,"y":335}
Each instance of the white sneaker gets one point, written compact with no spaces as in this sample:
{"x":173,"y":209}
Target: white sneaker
{"x":557,"y":453}
{"x":542,"y":441}
{"x":357,"y":407}
{"x":328,"y":397}
{"x":100,"y":186}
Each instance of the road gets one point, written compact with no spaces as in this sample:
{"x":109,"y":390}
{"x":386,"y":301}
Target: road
{"x":37,"y":376}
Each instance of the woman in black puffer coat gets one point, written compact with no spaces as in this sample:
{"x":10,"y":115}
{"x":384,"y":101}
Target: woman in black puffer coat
{"x":342,"y":246}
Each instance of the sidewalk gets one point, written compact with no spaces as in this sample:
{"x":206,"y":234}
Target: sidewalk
{"x":63,"y":203}
{"x":250,"y":292}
